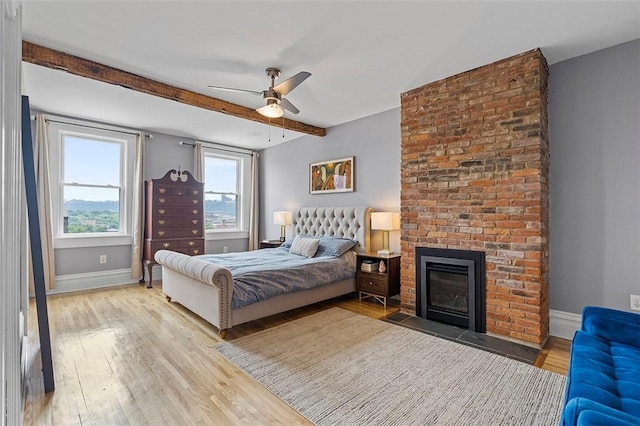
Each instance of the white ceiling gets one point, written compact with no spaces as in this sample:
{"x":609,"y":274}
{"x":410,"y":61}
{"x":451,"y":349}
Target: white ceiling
{"x":362,"y":54}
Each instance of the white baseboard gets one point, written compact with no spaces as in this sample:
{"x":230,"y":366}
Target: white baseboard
{"x":91,"y":280}
{"x":564,"y":324}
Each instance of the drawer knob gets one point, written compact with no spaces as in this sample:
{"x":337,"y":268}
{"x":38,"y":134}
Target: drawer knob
{"x":161,"y":233}
{"x":194,"y":211}
{"x":196,"y":251}
{"x":162,"y":190}
{"x":196,"y":192}
{"x":161,"y":222}
{"x":161,"y":211}
{"x":161,"y":200}
{"x":194,"y":231}
{"x":192,"y":243}
{"x":165,"y":245}
{"x":195,"y":201}
{"x":370,"y":283}
{"x":194,"y":221}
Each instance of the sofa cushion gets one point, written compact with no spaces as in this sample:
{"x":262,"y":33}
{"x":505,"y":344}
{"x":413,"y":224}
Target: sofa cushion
{"x":605,"y":372}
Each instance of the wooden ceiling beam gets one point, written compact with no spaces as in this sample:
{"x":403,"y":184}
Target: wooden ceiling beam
{"x":57,"y":60}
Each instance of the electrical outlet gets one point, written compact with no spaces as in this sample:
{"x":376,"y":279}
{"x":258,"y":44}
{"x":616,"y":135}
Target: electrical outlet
{"x":225,"y":249}
{"x":103,"y":258}
{"x":635,"y":302}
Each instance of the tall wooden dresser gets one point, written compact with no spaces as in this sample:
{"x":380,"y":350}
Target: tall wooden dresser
{"x":174,"y":217}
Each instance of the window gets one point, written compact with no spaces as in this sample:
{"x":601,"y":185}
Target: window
{"x":221,"y":193}
{"x":227,"y":190}
{"x":91,"y":182}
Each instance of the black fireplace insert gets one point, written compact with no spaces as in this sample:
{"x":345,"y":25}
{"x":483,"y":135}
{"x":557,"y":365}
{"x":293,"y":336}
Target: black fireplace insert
{"x":450,"y":287}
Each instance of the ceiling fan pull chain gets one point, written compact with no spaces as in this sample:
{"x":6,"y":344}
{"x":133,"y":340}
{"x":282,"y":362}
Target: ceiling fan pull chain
{"x":283,"y":127}
{"x":269,"y":129}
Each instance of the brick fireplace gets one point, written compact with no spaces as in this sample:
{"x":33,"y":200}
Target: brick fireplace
{"x":474,"y":176}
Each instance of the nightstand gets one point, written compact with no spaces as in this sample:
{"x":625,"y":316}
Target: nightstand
{"x":269,"y":244}
{"x":379,"y":285}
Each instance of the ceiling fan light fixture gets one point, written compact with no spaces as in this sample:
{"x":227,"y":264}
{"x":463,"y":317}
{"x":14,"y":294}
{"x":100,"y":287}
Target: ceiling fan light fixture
{"x":271,"y":110}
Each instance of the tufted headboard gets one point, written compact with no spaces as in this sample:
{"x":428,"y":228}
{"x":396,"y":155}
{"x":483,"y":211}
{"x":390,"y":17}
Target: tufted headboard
{"x":343,"y":222}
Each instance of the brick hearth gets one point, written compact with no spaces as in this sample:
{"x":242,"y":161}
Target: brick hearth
{"x":475,"y":168}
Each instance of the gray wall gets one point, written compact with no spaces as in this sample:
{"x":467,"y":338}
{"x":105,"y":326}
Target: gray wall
{"x":594,"y":106}
{"x":594,"y":116}
{"x":374,"y":142}
{"x":162,"y":153}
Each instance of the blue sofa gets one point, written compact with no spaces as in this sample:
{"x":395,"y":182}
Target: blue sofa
{"x":603,"y":381}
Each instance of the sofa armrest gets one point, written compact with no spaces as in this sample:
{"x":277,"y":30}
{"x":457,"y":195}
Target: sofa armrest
{"x":611,"y":324}
{"x":198,"y":269}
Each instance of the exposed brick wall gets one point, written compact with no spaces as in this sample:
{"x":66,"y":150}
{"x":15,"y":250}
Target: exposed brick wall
{"x":475,"y":168}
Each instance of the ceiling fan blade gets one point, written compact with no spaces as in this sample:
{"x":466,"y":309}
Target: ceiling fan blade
{"x":230,"y":89}
{"x":288,"y":106}
{"x":291,"y":83}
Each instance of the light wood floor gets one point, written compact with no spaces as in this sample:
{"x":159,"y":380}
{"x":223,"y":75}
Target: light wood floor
{"x":126,"y":356}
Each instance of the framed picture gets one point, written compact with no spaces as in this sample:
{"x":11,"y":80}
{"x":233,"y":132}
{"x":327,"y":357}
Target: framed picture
{"x":331,"y":176}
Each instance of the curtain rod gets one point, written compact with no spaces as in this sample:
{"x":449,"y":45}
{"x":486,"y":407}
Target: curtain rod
{"x":109,"y":129}
{"x":220,"y":147}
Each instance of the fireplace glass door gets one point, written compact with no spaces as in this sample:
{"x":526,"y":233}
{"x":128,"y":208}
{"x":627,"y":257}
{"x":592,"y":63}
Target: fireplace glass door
{"x":449,"y":291}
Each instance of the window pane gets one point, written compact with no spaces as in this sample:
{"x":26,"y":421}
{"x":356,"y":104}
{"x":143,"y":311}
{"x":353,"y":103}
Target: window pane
{"x":220,"y":211}
{"x":220,"y":174}
{"x":90,"y":161}
{"x":90,"y":210}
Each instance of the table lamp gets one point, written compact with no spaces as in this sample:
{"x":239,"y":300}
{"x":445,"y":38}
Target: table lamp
{"x":385,"y":222}
{"x":283,"y":219}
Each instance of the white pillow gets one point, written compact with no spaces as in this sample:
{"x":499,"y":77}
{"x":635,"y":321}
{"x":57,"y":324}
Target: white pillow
{"x":306,"y":247}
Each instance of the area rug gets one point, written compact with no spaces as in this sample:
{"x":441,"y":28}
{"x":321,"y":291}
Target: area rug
{"x":340,"y":368}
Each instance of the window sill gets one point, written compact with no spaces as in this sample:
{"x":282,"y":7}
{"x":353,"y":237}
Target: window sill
{"x":226,"y":235}
{"x":92,"y":241}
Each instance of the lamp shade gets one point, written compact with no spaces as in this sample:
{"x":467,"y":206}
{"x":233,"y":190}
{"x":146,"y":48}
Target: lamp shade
{"x":385,"y":221}
{"x":282,"y":218}
{"x":273,"y":110}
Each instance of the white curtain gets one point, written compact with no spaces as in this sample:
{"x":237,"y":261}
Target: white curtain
{"x":41,"y":163}
{"x":198,"y":171}
{"x":254,"y":217}
{"x":137,"y":216}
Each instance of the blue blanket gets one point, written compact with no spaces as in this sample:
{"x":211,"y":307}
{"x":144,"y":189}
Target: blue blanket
{"x":261,"y":274}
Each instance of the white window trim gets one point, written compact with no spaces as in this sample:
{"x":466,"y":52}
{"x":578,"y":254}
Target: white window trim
{"x":79,"y":128}
{"x":244,"y":192}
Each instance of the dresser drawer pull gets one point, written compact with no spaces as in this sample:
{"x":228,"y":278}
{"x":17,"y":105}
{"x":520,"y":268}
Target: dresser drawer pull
{"x":179,"y":193}
{"x":192,"y":243}
{"x":162,"y":190}
{"x":161,"y":211}
{"x":194,"y":231}
{"x":161,"y":222}
{"x":196,"y":251}
{"x":194,"y":221}
{"x":195,"y":201}
{"x":161,"y":233}
{"x":165,"y":245}
{"x":196,"y":192}
{"x":194,"y":211}
{"x":161,"y":200}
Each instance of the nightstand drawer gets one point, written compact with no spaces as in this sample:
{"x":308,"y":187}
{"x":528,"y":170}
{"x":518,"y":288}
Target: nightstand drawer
{"x":372,"y":283}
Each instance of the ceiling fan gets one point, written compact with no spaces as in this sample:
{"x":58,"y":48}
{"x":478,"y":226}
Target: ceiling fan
{"x":275,"y":102}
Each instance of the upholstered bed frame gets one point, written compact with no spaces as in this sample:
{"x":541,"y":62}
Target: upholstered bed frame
{"x":206,"y":288}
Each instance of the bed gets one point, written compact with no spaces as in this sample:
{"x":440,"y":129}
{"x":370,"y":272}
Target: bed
{"x":204,"y":285}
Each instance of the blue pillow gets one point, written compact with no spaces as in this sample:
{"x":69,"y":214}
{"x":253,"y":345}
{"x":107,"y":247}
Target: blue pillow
{"x":287,"y":244}
{"x":334,"y":246}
